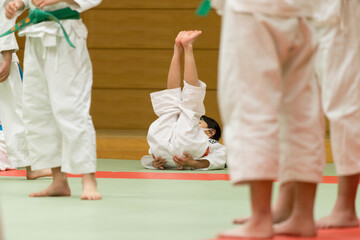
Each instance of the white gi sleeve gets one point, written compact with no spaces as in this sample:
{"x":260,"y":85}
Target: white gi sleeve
{"x":83,"y":5}
{"x":216,"y":157}
{"x":8,"y":42}
{"x":218,"y":5}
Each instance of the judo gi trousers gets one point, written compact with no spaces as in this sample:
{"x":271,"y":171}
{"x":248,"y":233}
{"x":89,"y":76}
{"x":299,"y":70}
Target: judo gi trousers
{"x":11,"y":118}
{"x":269,"y":99}
{"x":338,"y":64}
{"x":4,"y":162}
{"x":57,"y":94}
{"x":177,"y":129}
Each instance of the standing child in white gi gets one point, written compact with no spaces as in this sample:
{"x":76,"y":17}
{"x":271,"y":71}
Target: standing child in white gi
{"x":10,"y":102}
{"x":338,"y":59}
{"x":182,"y":137}
{"x":338,"y":66}
{"x":57,"y":92}
{"x":270,"y":105}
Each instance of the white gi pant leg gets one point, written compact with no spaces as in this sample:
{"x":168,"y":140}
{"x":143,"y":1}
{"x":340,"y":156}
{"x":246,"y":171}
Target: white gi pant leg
{"x":177,"y":129}
{"x":166,"y":107}
{"x":191,"y":138}
{"x":57,"y":92}
{"x":265,"y":74}
{"x":11,"y":117}
{"x":4,"y":162}
{"x":338,"y":63}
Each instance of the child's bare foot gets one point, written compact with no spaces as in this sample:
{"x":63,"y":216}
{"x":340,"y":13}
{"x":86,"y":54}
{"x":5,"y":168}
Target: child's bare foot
{"x":250,"y":229}
{"x":90,"y":191}
{"x":56,"y":189}
{"x":189,"y":37}
{"x":178,"y":39}
{"x":276,"y":215}
{"x":299,"y":227}
{"x":338,"y":220}
{"x":31,"y":175}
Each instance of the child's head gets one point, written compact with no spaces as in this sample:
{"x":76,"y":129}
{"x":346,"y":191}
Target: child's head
{"x":214,"y":130}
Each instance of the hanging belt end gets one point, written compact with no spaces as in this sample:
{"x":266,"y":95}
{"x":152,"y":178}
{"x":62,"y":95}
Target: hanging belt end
{"x":204,"y":8}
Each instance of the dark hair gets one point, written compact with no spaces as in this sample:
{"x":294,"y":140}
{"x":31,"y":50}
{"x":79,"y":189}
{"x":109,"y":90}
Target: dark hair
{"x":212,"y":124}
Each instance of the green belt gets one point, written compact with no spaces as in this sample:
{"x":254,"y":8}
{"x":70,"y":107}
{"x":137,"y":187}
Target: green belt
{"x":36,"y":16}
{"x":204,"y":8}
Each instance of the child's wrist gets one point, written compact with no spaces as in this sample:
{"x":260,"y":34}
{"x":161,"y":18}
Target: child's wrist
{"x":193,"y":164}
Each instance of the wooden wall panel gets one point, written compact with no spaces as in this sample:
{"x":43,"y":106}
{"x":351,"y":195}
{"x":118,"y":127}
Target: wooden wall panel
{"x":130,"y":42}
{"x":111,"y":29}
{"x":132,"y":109}
{"x":111,"y":4}
{"x":142,"y":68}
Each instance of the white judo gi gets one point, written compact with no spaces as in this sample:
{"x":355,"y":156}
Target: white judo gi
{"x":4,"y":162}
{"x":268,"y":95}
{"x":177,"y":129}
{"x":10,"y":99}
{"x":57,"y":94}
{"x":338,"y":64}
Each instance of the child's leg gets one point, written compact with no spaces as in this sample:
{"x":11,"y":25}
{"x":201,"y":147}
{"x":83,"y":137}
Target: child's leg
{"x":301,"y":221}
{"x":193,"y":93}
{"x":11,"y":117}
{"x":190,"y":70}
{"x":174,"y":75}
{"x":341,"y":100}
{"x":260,"y":223}
{"x":344,"y":211}
{"x":14,"y":127}
{"x":59,"y":186}
{"x":4,"y":162}
{"x":283,"y":206}
{"x":190,"y":135}
{"x":31,"y":175}
{"x":284,"y":203}
{"x":90,"y":187}
{"x":43,"y":137}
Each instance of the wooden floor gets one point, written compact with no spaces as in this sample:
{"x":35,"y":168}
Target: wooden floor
{"x":132,"y":144}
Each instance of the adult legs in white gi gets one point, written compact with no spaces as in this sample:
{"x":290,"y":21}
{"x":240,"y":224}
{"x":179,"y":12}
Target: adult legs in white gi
{"x":339,"y":61}
{"x":57,"y":92}
{"x":177,"y":129}
{"x":267,"y":89}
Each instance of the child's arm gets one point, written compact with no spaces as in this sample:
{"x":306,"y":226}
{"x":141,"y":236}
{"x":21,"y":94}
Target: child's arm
{"x":215,"y":160}
{"x":6,"y":65}
{"x":188,"y":161}
{"x":216,"y":157}
{"x":8,"y":45}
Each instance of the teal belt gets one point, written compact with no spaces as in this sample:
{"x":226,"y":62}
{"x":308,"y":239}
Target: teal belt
{"x":36,"y":16}
{"x":204,"y":8}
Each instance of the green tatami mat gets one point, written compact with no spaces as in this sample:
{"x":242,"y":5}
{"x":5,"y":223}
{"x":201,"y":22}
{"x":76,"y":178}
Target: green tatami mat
{"x":131,"y":209}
